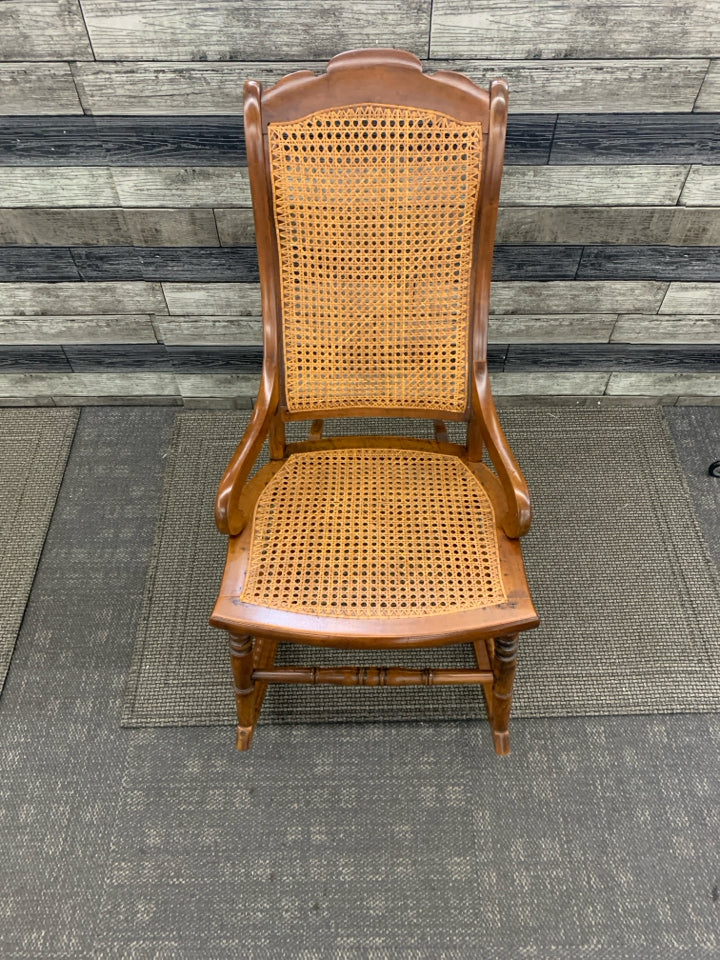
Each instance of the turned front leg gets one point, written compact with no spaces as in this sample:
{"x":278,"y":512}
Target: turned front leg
{"x":504,"y":662}
{"x":241,"y":659}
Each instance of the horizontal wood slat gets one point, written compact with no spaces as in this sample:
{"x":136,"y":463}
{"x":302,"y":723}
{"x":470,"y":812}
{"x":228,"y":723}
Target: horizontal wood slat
{"x":114,"y":226}
{"x":639,"y":328}
{"x":702,"y":187}
{"x":43,"y":30}
{"x":633,"y":138}
{"x":78,"y":299}
{"x":102,"y":329}
{"x":709,"y":96}
{"x":634,"y":185}
{"x":693,"y":298}
{"x":37,"y":89}
{"x":583,"y":28}
{"x":227,"y":30}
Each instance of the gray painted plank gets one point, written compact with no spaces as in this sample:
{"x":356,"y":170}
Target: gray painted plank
{"x":573,"y":328}
{"x":43,"y":30}
{"x":647,"y":262}
{"x":692,"y":298}
{"x":702,"y":187}
{"x":112,"y":226}
{"x":637,"y":138}
{"x":709,"y":96}
{"x":688,"y":226}
{"x":578,"y":30}
{"x":93,"y":329}
{"x":663,"y":384}
{"x":195,"y":385}
{"x":235,"y":226}
{"x":536,"y":86}
{"x":574,"y":185}
{"x":227,"y":30}
{"x":190,"y":331}
{"x":77,"y":299}
{"x":213,"y":299}
{"x":57,"y":187}
{"x":16,"y":385}
{"x":37,"y":89}
{"x":536,"y":383}
{"x":639,"y":328}
{"x":577,"y":296}
{"x":182,"y":186}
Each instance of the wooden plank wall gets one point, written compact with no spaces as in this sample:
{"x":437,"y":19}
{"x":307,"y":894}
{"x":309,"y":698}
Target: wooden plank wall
{"x":127,"y":266}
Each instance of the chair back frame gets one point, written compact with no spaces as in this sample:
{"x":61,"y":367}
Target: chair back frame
{"x":372,"y":76}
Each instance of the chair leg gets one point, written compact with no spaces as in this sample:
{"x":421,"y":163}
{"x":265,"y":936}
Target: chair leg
{"x":504,"y":661}
{"x":241,"y":659}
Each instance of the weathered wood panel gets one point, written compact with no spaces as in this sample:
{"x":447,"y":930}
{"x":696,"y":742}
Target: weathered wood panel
{"x":574,"y":328}
{"x":589,"y":86}
{"x":112,"y":226}
{"x":92,"y":329}
{"x":702,"y":187}
{"x":624,"y":262}
{"x":578,"y":296}
{"x":78,"y":299}
{"x":639,"y":328}
{"x":235,"y":226}
{"x":207,"y":264}
{"x":211,"y":358}
{"x":518,"y":29}
{"x":536,"y":383}
{"x":198,"y":385}
{"x":637,"y":138}
{"x":189,"y":331}
{"x":213,"y":299}
{"x":38,"y":358}
{"x":689,"y":226}
{"x":85,"y":386}
{"x":536,"y":86}
{"x":574,"y":185}
{"x":37,"y":89}
{"x":181,"y":186}
{"x":37,"y":263}
{"x":693,"y":298}
{"x":57,"y":187}
{"x":709,"y":96}
{"x":663,"y":384}
{"x":227,"y":30}
{"x":43,"y":30}
{"x":535,"y":262}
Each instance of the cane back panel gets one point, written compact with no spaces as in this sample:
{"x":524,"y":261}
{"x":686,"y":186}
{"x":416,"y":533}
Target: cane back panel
{"x":374,"y":213}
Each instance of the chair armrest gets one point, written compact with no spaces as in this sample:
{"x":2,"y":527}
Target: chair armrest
{"x":230,"y":518}
{"x":518,"y":515}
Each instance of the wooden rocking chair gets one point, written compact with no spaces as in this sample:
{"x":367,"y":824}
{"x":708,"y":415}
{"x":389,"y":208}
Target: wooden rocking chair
{"x":375,"y":193}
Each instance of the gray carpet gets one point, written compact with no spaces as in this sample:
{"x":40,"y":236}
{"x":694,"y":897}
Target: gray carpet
{"x":597,"y":838}
{"x":34,"y":447}
{"x":619,"y":571}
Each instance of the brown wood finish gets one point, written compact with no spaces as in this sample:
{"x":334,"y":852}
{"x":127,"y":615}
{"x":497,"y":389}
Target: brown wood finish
{"x":395,"y":78}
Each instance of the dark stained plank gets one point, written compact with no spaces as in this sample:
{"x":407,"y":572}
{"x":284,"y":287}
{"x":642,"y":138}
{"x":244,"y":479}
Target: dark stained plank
{"x":97,"y":358}
{"x":213,"y":359}
{"x":33,"y":358}
{"x":637,"y":138}
{"x":37,"y":89}
{"x":649,"y":263}
{"x":529,"y":138}
{"x":37,"y":263}
{"x":228,"y":30}
{"x":43,"y":30}
{"x":535,"y":262}
{"x":121,"y":141}
{"x":574,"y":29}
{"x":218,"y":264}
{"x":611,"y":356}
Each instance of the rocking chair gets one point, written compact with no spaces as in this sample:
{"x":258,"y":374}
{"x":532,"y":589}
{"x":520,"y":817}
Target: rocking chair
{"x":375,"y":193}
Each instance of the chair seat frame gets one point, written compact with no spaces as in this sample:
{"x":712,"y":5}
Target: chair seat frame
{"x":370,"y":76}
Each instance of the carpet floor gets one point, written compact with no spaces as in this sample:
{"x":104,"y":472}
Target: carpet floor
{"x":597,"y":838}
{"x":620,"y":573}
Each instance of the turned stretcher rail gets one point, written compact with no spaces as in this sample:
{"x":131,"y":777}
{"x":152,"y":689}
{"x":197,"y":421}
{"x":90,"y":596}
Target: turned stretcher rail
{"x":371,"y":676}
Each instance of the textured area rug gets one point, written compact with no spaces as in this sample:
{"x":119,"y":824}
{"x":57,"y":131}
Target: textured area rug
{"x":619,"y":571}
{"x":34,"y":447}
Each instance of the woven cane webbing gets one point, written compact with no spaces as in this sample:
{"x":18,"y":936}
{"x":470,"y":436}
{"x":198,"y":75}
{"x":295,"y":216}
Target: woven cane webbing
{"x":373,"y":533}
{"x":374,"y":210}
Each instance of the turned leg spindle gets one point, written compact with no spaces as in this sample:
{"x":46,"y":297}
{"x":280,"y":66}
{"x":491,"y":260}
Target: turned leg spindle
{"x":504,"y":661}
{"x":241,"y":659}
